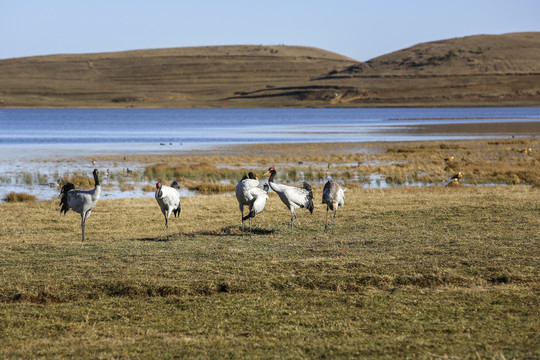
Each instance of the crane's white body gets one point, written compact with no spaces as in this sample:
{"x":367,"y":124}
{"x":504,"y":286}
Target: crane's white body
{"x":293,"y":197}
{"x":259,"y":200}
{"x":80,"y":201}
{"x":257,"y":204}
{"x":244,"y":195}
{"x":334,"y":197}
{"x":168,"y":200}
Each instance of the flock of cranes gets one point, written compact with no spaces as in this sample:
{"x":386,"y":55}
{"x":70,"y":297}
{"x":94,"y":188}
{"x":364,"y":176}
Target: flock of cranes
{"x":248,"y":193}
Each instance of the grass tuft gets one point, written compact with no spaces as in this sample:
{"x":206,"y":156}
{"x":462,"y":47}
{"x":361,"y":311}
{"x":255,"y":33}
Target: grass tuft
{"x":19,"y":197}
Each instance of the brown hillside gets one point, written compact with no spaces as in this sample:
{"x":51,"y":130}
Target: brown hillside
{"x":180,"y":77}
{"x":473,"y":55}
{"x":483,"y":70}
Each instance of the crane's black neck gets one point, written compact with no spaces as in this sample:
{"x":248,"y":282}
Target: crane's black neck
{"x":96,"y":178}
{"x":272,"y":174}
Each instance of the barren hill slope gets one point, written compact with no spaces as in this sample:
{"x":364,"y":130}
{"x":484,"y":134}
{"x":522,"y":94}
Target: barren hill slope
{"x":517,"y":53}
{"x":482,"y":70}
{"x":193,"y":76}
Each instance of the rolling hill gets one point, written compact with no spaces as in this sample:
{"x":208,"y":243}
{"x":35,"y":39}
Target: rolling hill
{"x":483,"y":70}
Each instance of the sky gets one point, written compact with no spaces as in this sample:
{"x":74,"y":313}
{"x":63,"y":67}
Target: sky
{"x":358,"y":29}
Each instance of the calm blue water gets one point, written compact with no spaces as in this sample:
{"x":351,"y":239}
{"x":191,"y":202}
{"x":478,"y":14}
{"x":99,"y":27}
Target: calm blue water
{"x":152,"y":129}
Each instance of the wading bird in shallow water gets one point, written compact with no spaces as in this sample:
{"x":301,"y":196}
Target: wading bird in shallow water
{"x":293,"y":197}
{"x":333,"y":196}
{"x":80,"y":201}
{"x":244,"y":195}
{"x":257,"y":205}
{"x":168,"y":200}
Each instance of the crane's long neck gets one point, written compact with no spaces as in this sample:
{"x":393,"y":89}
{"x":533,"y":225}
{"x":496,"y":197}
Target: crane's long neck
{"x":96,"y":179}
{"x":279,"y":188}
{"x":272,"y":174}
{"x":97,"y":187}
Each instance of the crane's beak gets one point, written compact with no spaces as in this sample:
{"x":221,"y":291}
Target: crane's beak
{"x":266,"y":173}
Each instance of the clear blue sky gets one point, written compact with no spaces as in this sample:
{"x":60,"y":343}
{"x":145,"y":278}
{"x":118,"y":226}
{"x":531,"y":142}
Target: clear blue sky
{"x":358,"y":29}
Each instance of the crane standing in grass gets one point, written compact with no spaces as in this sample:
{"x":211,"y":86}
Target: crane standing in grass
{"x":80,"y":201}
{"x":333,"y":196}
{"x":293,"y":197}
{"x":243,"y":194}
{"x":168,"y":199}
{"x":257,"y":205}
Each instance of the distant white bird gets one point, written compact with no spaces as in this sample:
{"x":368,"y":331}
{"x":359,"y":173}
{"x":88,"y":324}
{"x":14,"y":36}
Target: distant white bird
{"x":243,"y":195}
{"x":168,"y":199}
{"x":80,"y":201}
{"x":293,"y":197}
{"x":257,"y":205}
{"x":333,"y":196}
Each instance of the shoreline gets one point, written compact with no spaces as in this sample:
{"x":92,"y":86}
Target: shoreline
{"x":378,"y":164}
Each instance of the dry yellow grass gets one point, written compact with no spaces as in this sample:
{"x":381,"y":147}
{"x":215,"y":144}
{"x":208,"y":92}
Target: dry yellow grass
{"x":409,"y":272}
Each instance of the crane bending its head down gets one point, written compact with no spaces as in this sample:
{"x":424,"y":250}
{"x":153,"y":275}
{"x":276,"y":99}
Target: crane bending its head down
{"x":168,"y":200}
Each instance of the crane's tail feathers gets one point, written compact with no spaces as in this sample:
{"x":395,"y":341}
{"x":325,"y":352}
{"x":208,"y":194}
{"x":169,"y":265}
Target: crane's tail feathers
{"x":64,"y":197}
{"x":175,"y":185}
{"x":177,"y":211}
{"x":248,"y":216}
{"x":309,"y":204}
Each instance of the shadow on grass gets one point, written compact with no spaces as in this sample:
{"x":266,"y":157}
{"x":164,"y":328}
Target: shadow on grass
{"x":231,"y":230}
{"x":153,"y":239}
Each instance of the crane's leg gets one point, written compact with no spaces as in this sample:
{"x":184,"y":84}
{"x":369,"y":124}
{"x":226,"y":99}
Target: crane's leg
{"x":242,"y":209}
{"x":167,"y":227}
{"x":83,"y":223}
{"x":334,"y":223}
{"x":326,"y":223}
{"x":293,"y":216}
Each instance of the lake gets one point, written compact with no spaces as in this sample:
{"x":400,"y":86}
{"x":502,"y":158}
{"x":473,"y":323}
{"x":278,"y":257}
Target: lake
{"x":39,"y":145}
{"x":44,"y":132}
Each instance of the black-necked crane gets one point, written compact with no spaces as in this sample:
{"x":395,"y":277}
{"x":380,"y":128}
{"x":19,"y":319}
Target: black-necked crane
{"x":257,"y":205}
{"x":333,"y":196}
{"x":168,"y":200}
{"x":293,"y":197}
{"x":243,"y":194}
{"x":80,"y":201}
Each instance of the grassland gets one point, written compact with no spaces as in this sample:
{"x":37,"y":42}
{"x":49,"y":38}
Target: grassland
{"x":411,"y":272}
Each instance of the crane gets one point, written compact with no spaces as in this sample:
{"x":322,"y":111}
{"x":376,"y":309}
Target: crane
{"x":257,"y":205}
{"x":168,"y":200}
{"x":80,"y":201}
{"x":333,"y":196}
{"x":243,"y":195}
{"x":293,"y":197}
